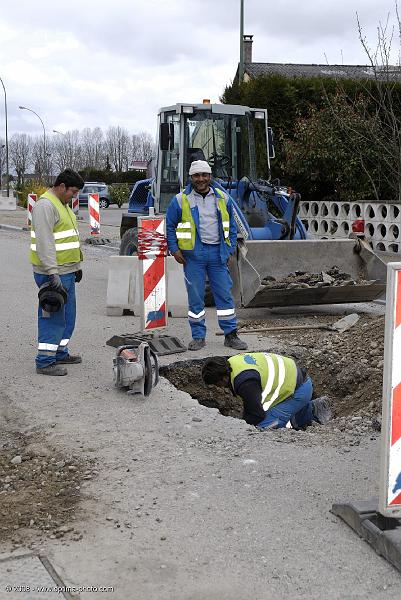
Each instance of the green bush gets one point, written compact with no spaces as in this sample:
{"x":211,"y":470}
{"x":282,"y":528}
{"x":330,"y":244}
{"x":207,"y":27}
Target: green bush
{"x":30,"y":187}
{"x":119,"y":192}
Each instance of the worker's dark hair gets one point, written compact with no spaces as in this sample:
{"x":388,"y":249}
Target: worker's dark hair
{"x":70,"y":178}
{"x":214,"y":369}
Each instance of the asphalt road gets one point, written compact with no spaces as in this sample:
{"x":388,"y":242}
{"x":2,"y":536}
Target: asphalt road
{"x":188,"y":504}
{"x":108,"y":216}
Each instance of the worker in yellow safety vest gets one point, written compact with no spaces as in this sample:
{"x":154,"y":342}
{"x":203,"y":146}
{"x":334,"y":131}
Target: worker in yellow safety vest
{"x":202,"y":236}
{"x":56,"y":257}
{"x":274,"y":390}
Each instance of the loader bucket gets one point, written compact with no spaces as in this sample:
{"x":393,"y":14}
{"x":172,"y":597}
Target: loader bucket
{"x":259,"y":259}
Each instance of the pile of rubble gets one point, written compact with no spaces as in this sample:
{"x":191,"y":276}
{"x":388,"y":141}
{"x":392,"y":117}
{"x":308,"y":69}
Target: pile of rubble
{"x":303,"y":279}
{"x":40,"y":489}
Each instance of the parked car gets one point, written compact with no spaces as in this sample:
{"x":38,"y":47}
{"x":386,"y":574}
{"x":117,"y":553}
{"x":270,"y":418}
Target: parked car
{"x":95,"y":187}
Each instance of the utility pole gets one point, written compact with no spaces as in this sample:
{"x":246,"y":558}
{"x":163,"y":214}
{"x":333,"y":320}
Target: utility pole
{"x":241,"y":46}
{"x":6,"y":121}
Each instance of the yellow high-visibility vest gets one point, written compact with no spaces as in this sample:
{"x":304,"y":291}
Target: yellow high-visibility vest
{"x":186,"y":229}
{"x":66,"y":237}
{"x":278,"y":374}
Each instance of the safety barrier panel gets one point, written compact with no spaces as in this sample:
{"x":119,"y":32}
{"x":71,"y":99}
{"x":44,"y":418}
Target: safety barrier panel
{"x":334,"y":219}
{"x":29,"y":206}
{"x":152,"y":252}
{"x":75,"y":205}
{"x":390,"y":471}
{"x":94,"y":213}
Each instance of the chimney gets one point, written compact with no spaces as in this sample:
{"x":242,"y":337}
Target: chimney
{"x":247,"y":42}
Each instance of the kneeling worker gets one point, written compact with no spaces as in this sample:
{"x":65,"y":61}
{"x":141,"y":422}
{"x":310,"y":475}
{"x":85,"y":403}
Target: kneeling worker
{"x":275,"y":391}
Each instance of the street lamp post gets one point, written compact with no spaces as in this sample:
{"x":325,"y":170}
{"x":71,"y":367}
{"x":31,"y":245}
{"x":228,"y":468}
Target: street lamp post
{"x":44,"y":133}
{"x":6,"y":120}
{"x":1,"y":167}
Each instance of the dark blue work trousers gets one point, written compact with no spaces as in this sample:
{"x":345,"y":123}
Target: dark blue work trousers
{"x":207,"y":261}
{"x":299,"y":405}
{"x":55,"y":329}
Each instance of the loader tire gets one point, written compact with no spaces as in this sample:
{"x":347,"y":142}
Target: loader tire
{"x":129,"y":242}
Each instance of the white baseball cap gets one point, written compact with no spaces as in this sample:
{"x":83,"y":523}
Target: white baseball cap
{"x":199,"y":166}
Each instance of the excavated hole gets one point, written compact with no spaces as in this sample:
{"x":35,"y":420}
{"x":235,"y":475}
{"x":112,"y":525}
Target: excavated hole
{"x":186,"y":376}
{"x":346,"y":367}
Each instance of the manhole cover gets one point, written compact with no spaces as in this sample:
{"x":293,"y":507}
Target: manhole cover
{"x":33,"y":577}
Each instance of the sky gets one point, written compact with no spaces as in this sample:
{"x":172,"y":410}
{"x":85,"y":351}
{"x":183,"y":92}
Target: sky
{"x":92,"y":64}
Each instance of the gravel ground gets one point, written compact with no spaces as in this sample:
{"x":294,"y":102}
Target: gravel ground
{"x":175,"y":500}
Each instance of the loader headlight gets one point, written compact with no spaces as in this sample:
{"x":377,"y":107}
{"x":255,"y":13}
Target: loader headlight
{"x":258,"y":114}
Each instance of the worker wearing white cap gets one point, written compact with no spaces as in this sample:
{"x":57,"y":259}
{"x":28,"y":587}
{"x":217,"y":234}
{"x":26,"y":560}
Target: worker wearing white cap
{"x":202,"y":235}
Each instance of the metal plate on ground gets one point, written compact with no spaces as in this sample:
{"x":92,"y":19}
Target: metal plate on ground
{"x":31,"y":576}
{"x":95,"y":241}
{"x":382,"y":533}
{"x":160,"y":344}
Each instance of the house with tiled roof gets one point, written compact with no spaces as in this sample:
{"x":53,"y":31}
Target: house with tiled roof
{"x":257,"y":69}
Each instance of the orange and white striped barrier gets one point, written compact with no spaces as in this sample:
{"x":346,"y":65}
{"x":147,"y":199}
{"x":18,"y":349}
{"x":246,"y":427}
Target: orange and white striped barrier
{"x":29,"y":206}
{"x":152,"y":251}
{"x":390,"y":464}
{"x":94,"y":213}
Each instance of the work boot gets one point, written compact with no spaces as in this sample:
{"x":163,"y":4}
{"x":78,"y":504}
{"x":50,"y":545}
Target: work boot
{"x":232,"y":341}
{"x":52,"y":369}
{"x":70,"y":359}
{"x":196,"y":344}
{"x":321,"y":410}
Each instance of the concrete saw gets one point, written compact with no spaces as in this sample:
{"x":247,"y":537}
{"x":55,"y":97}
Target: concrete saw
{"x":136,"y":369}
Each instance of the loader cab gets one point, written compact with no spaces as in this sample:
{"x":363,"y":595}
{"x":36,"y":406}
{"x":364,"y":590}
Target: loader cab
{"x":233,"y":139}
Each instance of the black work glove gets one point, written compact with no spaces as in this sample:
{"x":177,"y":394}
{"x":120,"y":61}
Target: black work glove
{"x":55,"y":282}
{"x":78,"y":275}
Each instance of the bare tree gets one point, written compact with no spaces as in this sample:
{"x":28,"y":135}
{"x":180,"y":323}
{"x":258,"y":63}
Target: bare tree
{"x":93,"y":148}
{"x":21,"y":153}
{"x":142,"y":146}
{"x":118,"y":147}
{"x":69,"y":151}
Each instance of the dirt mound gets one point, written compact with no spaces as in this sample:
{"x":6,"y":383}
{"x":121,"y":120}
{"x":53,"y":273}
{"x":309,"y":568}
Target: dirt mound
{"x":39,"y":488}
{"x":347,"y":367}
{"x":303,"y":279}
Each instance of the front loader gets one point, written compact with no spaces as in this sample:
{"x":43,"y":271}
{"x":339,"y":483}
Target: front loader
{"x":273,"y":242}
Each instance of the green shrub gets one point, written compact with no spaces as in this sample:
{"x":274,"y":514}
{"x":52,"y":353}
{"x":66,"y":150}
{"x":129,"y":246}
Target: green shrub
{"x":119,"y":192}
{"x":30,"y":187}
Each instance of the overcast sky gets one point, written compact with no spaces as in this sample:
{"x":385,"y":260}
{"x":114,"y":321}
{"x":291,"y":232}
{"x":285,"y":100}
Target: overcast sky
{"x":90,"y":63}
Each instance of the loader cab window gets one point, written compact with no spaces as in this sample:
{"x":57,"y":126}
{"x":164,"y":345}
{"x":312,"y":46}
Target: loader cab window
{"x":170,"y":182}
{"x":252,"y":159}
{"x":210,"y":137}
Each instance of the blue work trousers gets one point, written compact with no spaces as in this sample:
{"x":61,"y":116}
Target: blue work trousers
{"x":207,"y":261}
{"x":55,"y":329}
{"x":299,"y":406}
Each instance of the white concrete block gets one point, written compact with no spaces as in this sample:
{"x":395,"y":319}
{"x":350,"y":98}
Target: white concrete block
{"x":123,"y":287}
{"x":8,"y":202}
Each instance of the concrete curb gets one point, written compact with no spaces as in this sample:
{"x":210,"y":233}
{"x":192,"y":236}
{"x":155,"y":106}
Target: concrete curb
{"x":13,"y":227}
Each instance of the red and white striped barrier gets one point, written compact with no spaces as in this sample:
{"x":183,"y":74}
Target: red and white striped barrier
{"x":75,"y":205}
{"x":94,"y":213}
{"x":390,"y":464}
{"x":29,"y":206}
{"x":152,"y":251}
